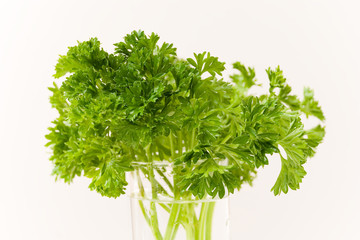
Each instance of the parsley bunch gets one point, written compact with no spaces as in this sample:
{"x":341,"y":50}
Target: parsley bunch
{"x":142,"y":104}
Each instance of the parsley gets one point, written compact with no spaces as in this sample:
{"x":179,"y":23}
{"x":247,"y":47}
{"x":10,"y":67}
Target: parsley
{"x":114,"y":106}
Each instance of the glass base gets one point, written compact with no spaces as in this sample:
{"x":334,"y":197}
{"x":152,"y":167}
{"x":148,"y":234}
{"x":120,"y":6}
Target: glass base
{"x":164,"y":219}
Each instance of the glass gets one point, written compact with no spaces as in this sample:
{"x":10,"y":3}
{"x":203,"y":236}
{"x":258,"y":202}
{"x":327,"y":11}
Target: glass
{"x":160,"y":212}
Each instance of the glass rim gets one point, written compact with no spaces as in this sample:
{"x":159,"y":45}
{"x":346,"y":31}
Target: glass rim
{"x":206,"y":198}
{"x":154,"y":163}
{"x":165,"y":163}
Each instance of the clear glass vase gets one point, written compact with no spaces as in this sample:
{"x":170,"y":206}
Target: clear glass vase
{"x":161,"y":212}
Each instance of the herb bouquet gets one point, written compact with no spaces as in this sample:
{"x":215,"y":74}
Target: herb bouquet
{"x":187,"y":137}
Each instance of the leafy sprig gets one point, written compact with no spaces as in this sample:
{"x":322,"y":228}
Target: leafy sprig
{"x":116,"y":109}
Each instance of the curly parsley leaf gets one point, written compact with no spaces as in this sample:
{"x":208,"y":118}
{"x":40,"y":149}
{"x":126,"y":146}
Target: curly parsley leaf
{"x":204,"y":62}
{"x":311,"y":107}
{"x":245,"y":80}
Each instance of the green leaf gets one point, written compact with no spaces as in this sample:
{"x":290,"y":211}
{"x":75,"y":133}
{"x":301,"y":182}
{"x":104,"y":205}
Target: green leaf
{"x":290,"y":100}
{"x":85,"y":55}
{"x":206,"y":63}
{"x":276,"y":77}
{"x":109,"y":180}
{"x":311,"y":107}
{"x":245,"y":80}
{"x":313,"y":137}
{"x":290,"y":177}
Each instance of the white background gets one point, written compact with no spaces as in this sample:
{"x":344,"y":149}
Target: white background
{"x":315,"y":42}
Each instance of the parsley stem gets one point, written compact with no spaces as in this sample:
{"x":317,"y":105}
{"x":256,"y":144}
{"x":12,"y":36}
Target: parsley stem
{"x":173,"y":222}
{"x":153,"y":212}
{"x":210,"y":211}
{"x":193,"y":137}
{"x":154,"y":221}
{"x":172,"y":149}
{"x":159,"y":188}
{"x":171,"y":226}
{"x":207,"y":210}
{"x":166,"y":180}
{"x":192,"y":225}
{"x":142,"y":193}
{"x":141,"y":204}
{"x":180,"y":144}
{"x":165,"y":207}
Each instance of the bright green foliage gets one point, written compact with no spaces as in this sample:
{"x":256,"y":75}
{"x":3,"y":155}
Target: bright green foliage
{"x":142,"y":103}
{"x":245,"y":80}
{"x":208,"y":64}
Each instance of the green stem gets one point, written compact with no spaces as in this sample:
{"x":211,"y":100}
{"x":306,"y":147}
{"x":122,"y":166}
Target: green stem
{"x":175,"y":213}
{"x":157,"y":185}
{"x":142,"y":193}
{"x":173,"y":221}
{"x":165,"y":207}
{"x":165,"y":179}
{"x":207,"y":210}
{"x":179,"y":213}
{"x":181,"y":220}
{"x":209,"y":219}
{"x":190,"y":233}
{"x":153,"y":212}
{"x":141,"y":204}
{"x":172,"y":147}
{"x":201,"y":221}
{"x":180,"y":145}
{"x":192,"y":222}
{"x":154,"y":222}
{"x":193,"y":138}
{"x":196,"y":227}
